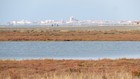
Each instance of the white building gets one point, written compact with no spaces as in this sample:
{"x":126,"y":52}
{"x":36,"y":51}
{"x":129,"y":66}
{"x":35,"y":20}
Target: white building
{"x":72,"y":20}
{"x":21,"y":22}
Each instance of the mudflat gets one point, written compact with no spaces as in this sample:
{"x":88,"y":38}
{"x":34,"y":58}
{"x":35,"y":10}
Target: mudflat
{"x":92,"y":33}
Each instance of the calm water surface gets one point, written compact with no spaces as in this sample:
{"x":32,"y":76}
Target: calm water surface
{"x":70,"y":50}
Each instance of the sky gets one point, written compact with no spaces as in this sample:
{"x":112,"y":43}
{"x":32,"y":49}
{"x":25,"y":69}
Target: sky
{"x":36,"y":10}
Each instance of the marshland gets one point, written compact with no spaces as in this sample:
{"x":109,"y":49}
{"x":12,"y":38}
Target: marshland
{"x":69,"y":53}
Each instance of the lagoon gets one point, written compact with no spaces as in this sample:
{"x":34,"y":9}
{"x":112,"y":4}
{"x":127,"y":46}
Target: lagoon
{"x":69,"y":49}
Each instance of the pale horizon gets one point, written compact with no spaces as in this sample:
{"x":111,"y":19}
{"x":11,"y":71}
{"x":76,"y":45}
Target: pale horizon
{"x":37,"y":10}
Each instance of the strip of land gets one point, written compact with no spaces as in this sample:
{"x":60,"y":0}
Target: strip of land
{"x":96,"y":33}
{"x":70,"y":69}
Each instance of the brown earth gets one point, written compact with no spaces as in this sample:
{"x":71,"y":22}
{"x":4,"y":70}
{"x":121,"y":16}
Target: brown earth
{"x":68,"y":35}
{"x":69,"y":69}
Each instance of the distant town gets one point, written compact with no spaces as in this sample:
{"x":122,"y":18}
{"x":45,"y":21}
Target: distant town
{"x":72,"y":21}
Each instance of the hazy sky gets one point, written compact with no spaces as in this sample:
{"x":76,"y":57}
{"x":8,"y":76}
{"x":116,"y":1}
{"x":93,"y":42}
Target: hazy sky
{"x":36,"y":10}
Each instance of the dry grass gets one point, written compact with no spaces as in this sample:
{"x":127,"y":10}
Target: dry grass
{"x":121,"y":75}
{"x":70,"y":69}
{"x":67,"y":35}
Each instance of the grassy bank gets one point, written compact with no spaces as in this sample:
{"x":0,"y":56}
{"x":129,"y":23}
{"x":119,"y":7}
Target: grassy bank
{"x":66,"y":35}
{"x":70,"y":69}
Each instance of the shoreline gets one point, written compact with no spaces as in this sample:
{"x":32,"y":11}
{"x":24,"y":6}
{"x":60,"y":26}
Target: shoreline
{"x":48,"y":59}
{"x":67,"y":59}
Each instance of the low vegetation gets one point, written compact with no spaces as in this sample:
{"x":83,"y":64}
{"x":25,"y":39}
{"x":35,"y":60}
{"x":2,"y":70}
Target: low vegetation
{"x":65,"y":35}
{"x":70,"y":69}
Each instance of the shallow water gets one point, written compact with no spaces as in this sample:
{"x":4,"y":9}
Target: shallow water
{"x":69,"y":50}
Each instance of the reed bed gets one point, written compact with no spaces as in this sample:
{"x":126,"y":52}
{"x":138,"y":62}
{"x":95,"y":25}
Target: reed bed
{"x":70,"y":69}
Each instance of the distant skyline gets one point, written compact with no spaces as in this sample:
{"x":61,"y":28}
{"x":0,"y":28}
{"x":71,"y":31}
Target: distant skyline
{"x":36,"y":10}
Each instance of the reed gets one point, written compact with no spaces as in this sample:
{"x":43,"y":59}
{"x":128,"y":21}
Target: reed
{"x":120,"y":75}
{"x":70,"y":69}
